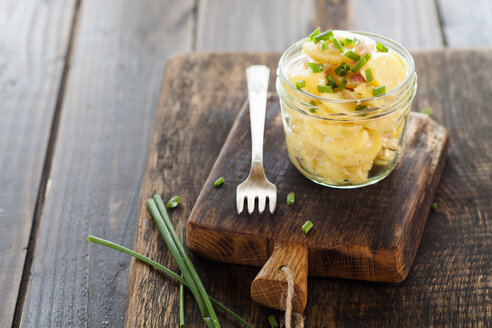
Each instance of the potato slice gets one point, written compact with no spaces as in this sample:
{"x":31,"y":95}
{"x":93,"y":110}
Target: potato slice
{"x":387,"y":69}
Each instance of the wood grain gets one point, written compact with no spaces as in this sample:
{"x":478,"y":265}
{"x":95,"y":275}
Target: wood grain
{"x":370,"y":233}
{"x":334,"y":14}
{"x":412,"y":23}
{"x":270,"y":285}
{"x":253,"y":25}
{"x":111,"y":93}
{"x":448,"y":284}
{"x":466,"y":23}
{"x":34,"y":42}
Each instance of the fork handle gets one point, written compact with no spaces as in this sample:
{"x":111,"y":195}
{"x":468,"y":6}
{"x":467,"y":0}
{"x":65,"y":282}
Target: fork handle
{"x":258,"y":77}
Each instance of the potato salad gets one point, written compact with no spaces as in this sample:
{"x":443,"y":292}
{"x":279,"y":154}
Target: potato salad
{"x":345,"y":107}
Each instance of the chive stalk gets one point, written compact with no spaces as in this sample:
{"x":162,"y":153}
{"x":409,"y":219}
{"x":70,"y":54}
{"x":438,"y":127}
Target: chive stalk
{"x":369,"y":76}
{"x":336,"y":43}
{"x":316,"y":68}
{"x":314,"y":33}
{"x":323,"y":36}
{"x":165,"y":270}
{"x":181,"y":294}
{"x":331,"y":82}
{"x":325,"y":46}
{"x":158,"y":211}
{"x":300,"y":84}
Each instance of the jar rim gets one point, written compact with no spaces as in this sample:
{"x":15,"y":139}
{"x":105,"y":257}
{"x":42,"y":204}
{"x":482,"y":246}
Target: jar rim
{"x":392,"y":44}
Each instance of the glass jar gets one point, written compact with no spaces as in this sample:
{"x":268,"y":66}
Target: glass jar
{"x":348,"y":148}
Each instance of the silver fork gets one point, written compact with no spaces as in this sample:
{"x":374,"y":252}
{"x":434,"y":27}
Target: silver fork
{"x":256,"y":185}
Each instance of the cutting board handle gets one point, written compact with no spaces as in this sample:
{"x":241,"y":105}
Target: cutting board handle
{"x":270,"y":286}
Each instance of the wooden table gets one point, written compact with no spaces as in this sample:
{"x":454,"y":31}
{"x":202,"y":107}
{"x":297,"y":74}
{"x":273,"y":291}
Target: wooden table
{"x":80,"y":83}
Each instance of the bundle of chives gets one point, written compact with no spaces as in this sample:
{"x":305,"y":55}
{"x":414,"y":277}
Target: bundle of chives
{"x":158,"y":211}
{"x":162,"y":268}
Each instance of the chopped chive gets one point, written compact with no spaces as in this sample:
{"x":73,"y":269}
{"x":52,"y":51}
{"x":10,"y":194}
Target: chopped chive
{"x":272,"y":321}
{"x":173,"y":202}
{"x":331,"y":82}
{"x":291,"y":197}
{"x":345,"y":66}
{"x":307,"y":226}
{"x":300,"y":84}
{"x":369,"y":76}
{"x":381,"y":48}
{"x":341,"y":42}
{"x":336,"y":43}
{"x":346,"y":180}
{"x":341,"y":71}
{"x":348,"y":42}
{"x":325,"y":46}
{"x":427,"y":111}
{"x":361,"y":107}
{"x":322,"y":36}
{"x":314,"y":33}
{"x":434,"y":206}
{"x":342,"y":84}
{"x":316,"y":68}
{"x":312,"y":109}
{"x":379,"y":91}
{"x":219,"y":181}
{"x":359,"y":64}
{"x":325,"y":88}
{"x":352,"y":55}
{"x":356,"y":41}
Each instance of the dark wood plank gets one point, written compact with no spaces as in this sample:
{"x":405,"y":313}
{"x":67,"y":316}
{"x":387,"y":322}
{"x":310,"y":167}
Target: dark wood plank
{"x":448,"y":282}
{"x":253,"y":25}
{"x":412,"y":23}
{"x":334,"y":14}
{"x":466,"y":23}
{"x":34,"y":41}
{"x":112,"y":90}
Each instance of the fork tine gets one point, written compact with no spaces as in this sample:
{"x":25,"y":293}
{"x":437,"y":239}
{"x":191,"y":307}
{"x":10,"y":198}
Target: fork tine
{"x":261,"y":203}
{"x":239,"y":203}
{"x":251,"y":203}
{"x":272,"y":202}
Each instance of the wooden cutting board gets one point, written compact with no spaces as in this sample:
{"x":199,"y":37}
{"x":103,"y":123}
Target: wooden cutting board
{"x":370,"y":233}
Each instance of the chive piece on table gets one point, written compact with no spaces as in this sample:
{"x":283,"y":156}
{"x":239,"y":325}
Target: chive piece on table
{"x":323,"y":36}
{"x":369,"y":76}
{"x":272,"y":321}
{"x":314,"y":33}
{"x":325,"y":46}
{"x":316,"y":68}
{"x":427,"y":111}
{"x":307,"y":226}
{"x":300,"y":84}
{"x":163,"y":269}
{"x":331,"y":82}
{"x":291,"y":197}
{"x":325,"y":88}
{"x":173,"y":202}
{"x":342,"y":84}
{"x":379,"y":91}
{"x":434,"y":206}
{"x":352,"y":55}
{"x":381,"y":48}
{"x":336,"y":43}
{"x":219,"y":182}
{"x":360,"y":107}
